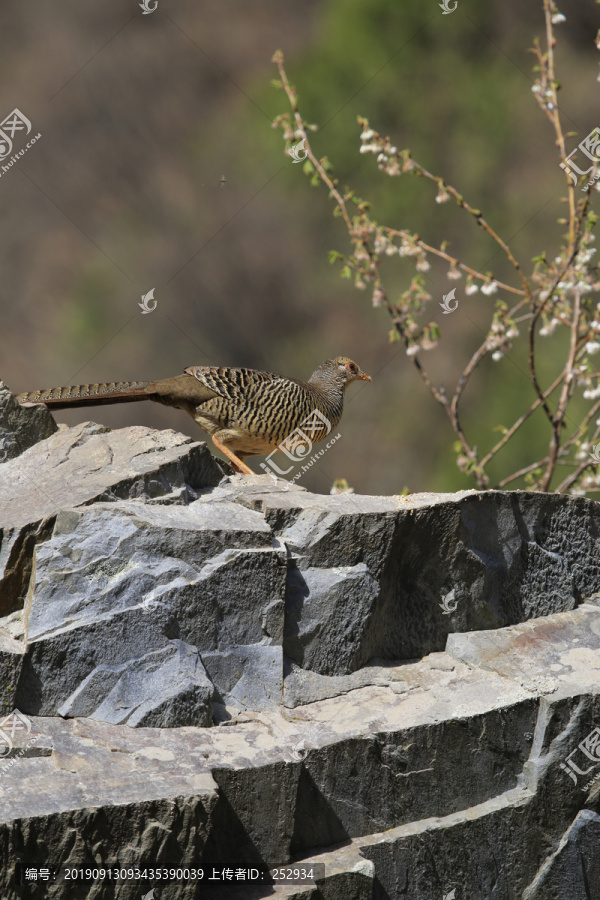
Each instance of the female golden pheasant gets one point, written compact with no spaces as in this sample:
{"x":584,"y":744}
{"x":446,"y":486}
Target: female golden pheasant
{"x":246,"y":412}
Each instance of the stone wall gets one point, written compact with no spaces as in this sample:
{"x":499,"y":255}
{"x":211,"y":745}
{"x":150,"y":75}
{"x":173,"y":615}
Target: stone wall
{"x":218,"y":670}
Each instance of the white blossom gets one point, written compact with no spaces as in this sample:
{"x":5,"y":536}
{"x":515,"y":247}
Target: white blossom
{"x":454,"y":274}
{"x":557,"y":18}
{"x":592,"y":395}
{"x":471,"y":289}
{"x":413,"y":350}
{"x":367,"y":135}
{"x":497,"y":355}
{"x":592,"y":347}
{"x":586,"y":255}
{"x":378,"y":296}
{"x":489,"y":289}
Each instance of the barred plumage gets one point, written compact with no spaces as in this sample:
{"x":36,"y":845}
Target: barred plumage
{"x":246,"y":412}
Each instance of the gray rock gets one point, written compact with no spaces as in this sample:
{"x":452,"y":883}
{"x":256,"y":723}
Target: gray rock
{"x":438,"y":564}
{"x":141,"y":589}
{"x":502,"y":650}
{"x":12,"y":652}
{"x":455,"y":784}
{"x":303,"y":686}
{"x":573,"y":870}
{"x":209,"y":576}
{"x":248,"y":677}
{"x":159,"y":689}
{"x":21,"y":427}
{"x":90,"y":463}
{"x":328,"y":617}
{"x":85,"y":464}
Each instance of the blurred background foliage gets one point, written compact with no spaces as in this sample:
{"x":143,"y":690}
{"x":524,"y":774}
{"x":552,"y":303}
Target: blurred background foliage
{"x":142,"y":117}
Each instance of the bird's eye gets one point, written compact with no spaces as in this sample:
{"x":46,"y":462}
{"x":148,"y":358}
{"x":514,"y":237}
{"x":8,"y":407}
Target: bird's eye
{"x":352,"y":367}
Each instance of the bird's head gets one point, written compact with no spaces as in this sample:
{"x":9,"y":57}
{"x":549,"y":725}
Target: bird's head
{"x":340,"y":371}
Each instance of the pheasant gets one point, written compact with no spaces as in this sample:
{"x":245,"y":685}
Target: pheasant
{"x":246,"y":412}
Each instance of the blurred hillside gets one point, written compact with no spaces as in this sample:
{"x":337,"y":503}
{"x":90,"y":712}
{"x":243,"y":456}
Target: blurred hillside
{"x":143,"y":115}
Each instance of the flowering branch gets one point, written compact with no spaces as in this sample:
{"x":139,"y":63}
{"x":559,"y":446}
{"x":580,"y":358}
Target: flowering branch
{"x":555,"y":294}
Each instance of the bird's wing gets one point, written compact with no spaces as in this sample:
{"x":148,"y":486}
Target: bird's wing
{"x":181,"y":391}
{"x":233,"y":383}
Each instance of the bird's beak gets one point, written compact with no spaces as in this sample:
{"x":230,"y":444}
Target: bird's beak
{"x":364,"y":377}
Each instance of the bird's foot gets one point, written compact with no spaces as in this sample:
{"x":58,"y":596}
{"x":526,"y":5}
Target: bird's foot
{"x":236,"y":463}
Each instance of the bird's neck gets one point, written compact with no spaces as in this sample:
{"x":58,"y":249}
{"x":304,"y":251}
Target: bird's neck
{"x":329,"y":399}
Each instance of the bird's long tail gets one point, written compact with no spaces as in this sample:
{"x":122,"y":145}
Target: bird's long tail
{"x":90,"y":394}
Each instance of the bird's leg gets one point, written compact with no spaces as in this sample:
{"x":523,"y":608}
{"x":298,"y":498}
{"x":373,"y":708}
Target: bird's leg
{"x":237,"y":464}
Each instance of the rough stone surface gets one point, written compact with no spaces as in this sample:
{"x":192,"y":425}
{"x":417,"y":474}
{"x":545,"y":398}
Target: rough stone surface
{"x":302,"y":686}
{"x":435,"y":564}
{"x":403,"y":689}
{"x":119,"y":586}
{"x":82,"y":465}
{"x":502,"y":651}
{"x":21,"y":427}
{"x":438,"y":788}
{"x":155,"y":689}
{"x":90,"y":463}
{"x":573,"y":871}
